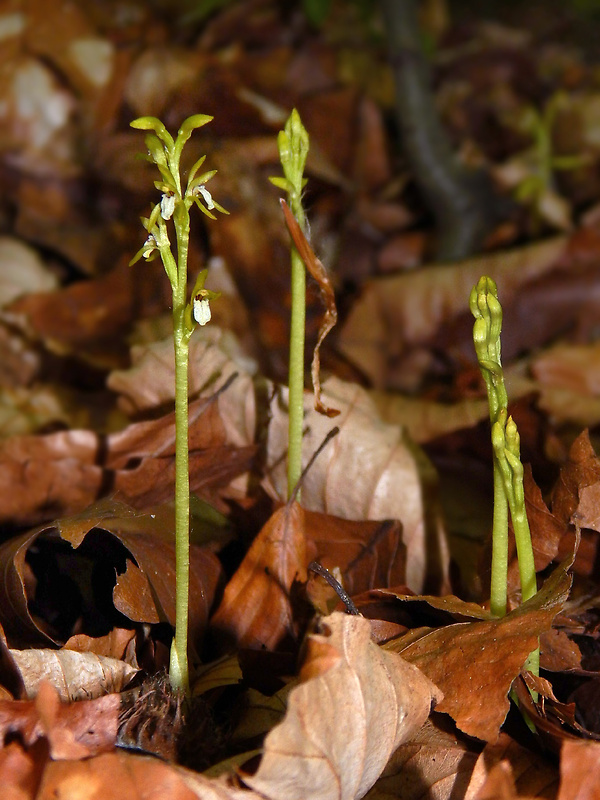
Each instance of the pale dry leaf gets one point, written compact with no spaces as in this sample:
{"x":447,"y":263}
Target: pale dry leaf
{"x":434,"y":764}
{"x":22,"y":271}
{"x":370,"y":471}
{"x":215,"y":356}
{"x":406,"y":310}
{"x":427,"y":419}
{"x":354,"y":707}
{"x":75,"y":676}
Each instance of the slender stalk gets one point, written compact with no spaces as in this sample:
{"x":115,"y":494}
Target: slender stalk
{"x":296,"y":370}
{"x":293,"y":146}
{"x":499,"y":576}
{"x":178,"y":669}
{"x":165,"y":152}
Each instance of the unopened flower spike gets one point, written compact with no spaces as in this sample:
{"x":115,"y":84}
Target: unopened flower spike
{"x":509,"y":493}
{"x":293,"y":144}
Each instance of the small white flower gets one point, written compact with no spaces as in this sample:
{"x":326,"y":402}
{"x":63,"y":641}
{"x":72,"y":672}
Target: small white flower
{"x":202,"y":313}
{"x":206,"y":196}
{"x":167,"y":206}
{"x":149,"y":246}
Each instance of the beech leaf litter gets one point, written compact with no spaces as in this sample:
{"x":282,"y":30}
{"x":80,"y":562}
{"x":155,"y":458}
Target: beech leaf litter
{"x":341,"y":643}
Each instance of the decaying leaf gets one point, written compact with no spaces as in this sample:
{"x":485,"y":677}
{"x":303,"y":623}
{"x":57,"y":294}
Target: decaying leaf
{"x":528,"y":772}
{"x":60,"y":472}
{"x":319,"y":273}
{"x":432,"y":763}
{"x":73,"y":730}
{"x":75,"y":676}
{"x":579,"y":765}
{"x":396,"y":312}
{"x":370,"y":471}
{"x":475,"y":663}
{"x":352,"y":710}
{"x":256,"y":610}
{"x":108,"y":536}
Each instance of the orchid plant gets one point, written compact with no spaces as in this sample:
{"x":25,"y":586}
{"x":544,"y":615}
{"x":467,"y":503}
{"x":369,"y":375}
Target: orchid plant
{"x":509,"y":493}
{"x":173,"y":212}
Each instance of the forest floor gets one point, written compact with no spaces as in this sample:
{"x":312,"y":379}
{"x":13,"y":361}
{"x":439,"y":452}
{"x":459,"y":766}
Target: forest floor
{"x":423,"y":692}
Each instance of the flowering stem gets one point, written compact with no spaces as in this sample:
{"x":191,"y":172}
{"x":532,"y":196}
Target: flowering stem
{"x":165,"y":152}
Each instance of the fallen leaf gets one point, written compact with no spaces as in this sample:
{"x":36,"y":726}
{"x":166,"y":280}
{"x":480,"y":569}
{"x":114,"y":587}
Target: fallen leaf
{"x":579,"y":765}
{"x":102,"y":540}
{"x":256,"y":609}
{"x":433,"y":762}
{"x":113,"y":776}
{"x":475,"y":663}
{"x":405,"y":310}
{"x":61,"y":473}
{"x":73,"y":730}
{"x":22,"y":271}
{"x":75,"y":676}
{"x":534,"y":775}
{"x":353,"y":708}
{"x":370,"y":471}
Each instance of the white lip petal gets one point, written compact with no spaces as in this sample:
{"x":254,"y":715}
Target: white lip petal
{"x":202,"y":312}
{"x":206,"y":196}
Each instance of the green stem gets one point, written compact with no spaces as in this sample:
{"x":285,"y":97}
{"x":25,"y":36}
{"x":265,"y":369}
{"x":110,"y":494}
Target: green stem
{"x":178,"y":671}
{"x":296,"y":369}
{"x":499,"y":570}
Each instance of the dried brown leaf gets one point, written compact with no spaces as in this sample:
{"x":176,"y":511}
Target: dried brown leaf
{"x":579,"y":765}
{"x":432,"y":763}
{"x":108,"y":524}
{"x":354,"y":708}
{"x":475,"y":663}
{"x":534,"y":775}
{"x":75,"y":676}
{"x":319,"y":273}
{"x":73,"y":730}
{"x":404,"y":310}
{"x":63,"y":472}
{"x":370,"y":555}
{"x":370,"y":471}
{"x":256,"y":610}
{"x":113,"y":776}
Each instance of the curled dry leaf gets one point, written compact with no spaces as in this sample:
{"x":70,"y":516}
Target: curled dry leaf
{"x":75,"y":676}
{"x":432,"y":763}
{"x":354,"y":708}
{"x":475,"y":663}
{"x":60,"y":473}
{"x":257,"y":606}
{"x":111,"y":536}
{"x":370,"y":471}
{"x":256,"y":610}
{"x":73,"y":730}
{"x":319,"y":273}
{"x":356,"y":704}
{"x":215,"y":356}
